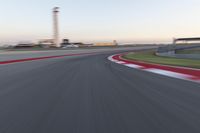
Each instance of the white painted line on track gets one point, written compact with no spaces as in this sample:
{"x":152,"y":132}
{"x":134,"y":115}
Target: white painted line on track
{"x":168,"y":73}
{"x":133,"y":66}
{"x":120,"y":62}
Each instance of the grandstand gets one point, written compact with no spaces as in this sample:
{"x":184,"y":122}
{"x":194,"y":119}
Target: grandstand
{"x":181,"y":48}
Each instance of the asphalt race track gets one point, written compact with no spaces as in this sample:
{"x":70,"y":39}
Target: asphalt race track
{"x":90,"y":94}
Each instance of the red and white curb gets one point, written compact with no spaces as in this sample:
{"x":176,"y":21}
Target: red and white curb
{"x":170,"y":71}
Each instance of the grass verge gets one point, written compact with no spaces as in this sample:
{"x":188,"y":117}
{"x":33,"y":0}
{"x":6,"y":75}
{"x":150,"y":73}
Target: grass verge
{"x":152,"y":58}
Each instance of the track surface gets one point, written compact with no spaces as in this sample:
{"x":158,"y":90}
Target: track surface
{"x":89,"y":94}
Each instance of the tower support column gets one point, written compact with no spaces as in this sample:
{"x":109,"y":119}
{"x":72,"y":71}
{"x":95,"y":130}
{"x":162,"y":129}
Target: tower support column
{"x":56,"y":27}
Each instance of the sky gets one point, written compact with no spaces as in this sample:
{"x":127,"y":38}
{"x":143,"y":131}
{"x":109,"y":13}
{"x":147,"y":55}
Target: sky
{"x":127,"y":21}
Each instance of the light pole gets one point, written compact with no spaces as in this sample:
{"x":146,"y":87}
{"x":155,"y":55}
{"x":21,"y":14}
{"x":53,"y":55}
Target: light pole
{"x":55,"y":26}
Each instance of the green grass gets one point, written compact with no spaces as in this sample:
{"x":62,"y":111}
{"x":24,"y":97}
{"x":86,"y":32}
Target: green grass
{"x":152,"y":58}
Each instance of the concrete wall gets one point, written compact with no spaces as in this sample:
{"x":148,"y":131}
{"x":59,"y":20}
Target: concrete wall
{"x":185,"y":56}
{"x":170,"y":51}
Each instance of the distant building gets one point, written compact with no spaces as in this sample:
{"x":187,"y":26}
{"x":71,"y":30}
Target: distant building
{"x":186,"y":40}
{"x":65,"y":42}
{"x":46,"y":43}
{"x":114,"y":43}
{"x":78,"y":43}
{"x":88,"y":45}
{"x":24,"y":45}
